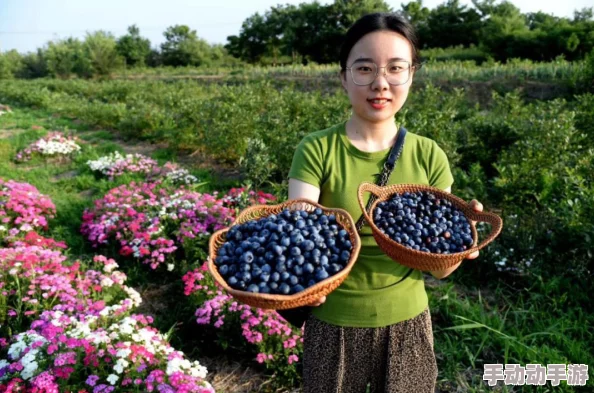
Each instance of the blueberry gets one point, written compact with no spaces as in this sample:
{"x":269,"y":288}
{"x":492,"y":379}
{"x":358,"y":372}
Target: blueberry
{"x":298,"y":270}
{"x":296,"y":239}
{"x":308,"y":245}
{"x":308,"y":268}
{"x":223,"y":270}
{"x":253,"y":288}
{"x":345,"y":255}
{"x":321,"y":275}
{"x":284,"y":288}
{"x":232,"y":281}
{"x":297,"y":288}
{"x":300,"y":224}
{"x":245,"y":267}
{"x":278,"y":250}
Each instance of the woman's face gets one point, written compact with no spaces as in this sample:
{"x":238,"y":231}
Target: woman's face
{"x":381,"y":47}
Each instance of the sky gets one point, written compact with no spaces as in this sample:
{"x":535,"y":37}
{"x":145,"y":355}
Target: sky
{"x":29,"y":24}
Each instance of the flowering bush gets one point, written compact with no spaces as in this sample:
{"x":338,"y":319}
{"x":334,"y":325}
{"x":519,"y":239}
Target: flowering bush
{"x":179,"y":176}
{"x":35,"y":239}
{"x":54,"y":144}
{"x":265,"y":333}
{"x":34,"y":279}
{"x":116,"y":164}
{"x":22,"y":209}
{"x":240,"y":198}
{"x":150,"y":222}
{"x":97,"y":353}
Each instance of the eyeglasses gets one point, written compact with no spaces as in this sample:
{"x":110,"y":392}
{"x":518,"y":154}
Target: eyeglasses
{"x":396,"y":72}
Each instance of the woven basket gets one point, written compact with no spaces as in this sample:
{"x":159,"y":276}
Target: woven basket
{"x":419,"y":259}
{"x":305,"y":297}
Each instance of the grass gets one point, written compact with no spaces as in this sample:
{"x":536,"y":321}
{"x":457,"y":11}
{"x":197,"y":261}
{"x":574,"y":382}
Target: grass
{"x":533,"y":321}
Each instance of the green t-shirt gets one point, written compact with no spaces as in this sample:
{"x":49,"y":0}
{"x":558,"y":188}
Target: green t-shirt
{"x":378,"y":291}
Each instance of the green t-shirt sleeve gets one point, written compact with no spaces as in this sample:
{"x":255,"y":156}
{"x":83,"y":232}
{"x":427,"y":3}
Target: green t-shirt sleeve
{"x":440,"y":175}
{"x":307,"y":162}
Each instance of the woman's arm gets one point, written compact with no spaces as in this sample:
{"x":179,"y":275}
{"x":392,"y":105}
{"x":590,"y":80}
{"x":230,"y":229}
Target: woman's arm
{"x":300,"y":189}
{"x":439,"y":274}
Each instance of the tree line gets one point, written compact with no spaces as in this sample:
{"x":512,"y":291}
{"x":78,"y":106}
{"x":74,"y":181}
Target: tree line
{"x":312,"y":32}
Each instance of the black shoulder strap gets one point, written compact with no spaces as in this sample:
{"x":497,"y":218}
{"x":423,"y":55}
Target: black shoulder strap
{"x":386,"y":171}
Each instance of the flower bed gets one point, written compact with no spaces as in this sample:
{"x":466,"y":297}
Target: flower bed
{"x":265,"y":333}
{"x":22,"y":209}
{"x":34,"y":279}
{"x":102,"y":353}
{"x":84,"y":336}
{"x":54,"y":144}
{"x":150,"y":222}
{"x":115,"y":164}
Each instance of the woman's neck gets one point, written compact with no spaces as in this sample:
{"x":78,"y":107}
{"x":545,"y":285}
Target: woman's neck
{"x":373,"y":136}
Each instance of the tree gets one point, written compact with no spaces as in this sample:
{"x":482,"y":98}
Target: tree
{"x":11,"y":63}
{"x":67,"y":57}
{"x":310,"y":30}
{"x":183,"y":47}
{"x":584,"y":15}
{"x":505,"y":29}
{"x":452,"y":24}
{"x":133,"y":47}
{"x":100,"y":50}
{"x":34,"y":65}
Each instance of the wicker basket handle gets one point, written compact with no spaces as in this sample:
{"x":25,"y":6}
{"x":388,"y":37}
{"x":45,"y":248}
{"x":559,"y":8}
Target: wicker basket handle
{"x":490,"y":218}
{"x":373,"y":189}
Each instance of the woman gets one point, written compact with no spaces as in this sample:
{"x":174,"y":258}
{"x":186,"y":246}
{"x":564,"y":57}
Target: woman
{"x":375,"y":329}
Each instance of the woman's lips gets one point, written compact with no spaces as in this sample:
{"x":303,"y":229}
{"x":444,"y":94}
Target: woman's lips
{"x":378,"y":103}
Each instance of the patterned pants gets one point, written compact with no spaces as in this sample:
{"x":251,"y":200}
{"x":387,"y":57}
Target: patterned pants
{"x":394,"y":359}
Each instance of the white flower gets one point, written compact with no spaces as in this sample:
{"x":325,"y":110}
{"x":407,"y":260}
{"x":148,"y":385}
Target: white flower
{"x":112,"y":379}
{"x":29,"y":370}
{"x":109,"y":267}
{"x":133,"y":295}
{"x":170,"y":266}
{"x":123,"y":353}
{"x":120,"y":365}
{"x":15,"y":349}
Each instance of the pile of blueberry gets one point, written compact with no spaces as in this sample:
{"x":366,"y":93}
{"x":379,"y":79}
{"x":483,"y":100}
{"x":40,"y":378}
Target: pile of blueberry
{"x":284,"y":253}
{"x":424,"y":222}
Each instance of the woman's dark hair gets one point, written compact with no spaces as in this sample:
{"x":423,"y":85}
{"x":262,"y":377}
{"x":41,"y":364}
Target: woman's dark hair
{"x":376,"y":22}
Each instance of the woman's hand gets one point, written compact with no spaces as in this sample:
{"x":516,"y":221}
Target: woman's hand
{"x":439,"y":274}
{"x":478,"y":207}
{"x":318,"y":302}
